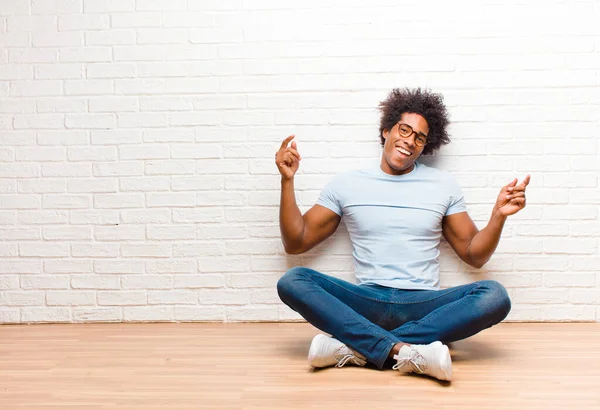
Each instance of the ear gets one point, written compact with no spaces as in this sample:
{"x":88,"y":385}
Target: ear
{"x":385,"y":134}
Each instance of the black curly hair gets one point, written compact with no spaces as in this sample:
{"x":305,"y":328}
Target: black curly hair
{"x":423,"y":102}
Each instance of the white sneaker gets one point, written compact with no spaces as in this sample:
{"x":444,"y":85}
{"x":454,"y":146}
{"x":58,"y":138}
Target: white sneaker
{"x":327,"y":351}
{"x":432,"y":359}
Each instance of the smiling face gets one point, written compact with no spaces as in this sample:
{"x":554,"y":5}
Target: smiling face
{"x":399,"y":154}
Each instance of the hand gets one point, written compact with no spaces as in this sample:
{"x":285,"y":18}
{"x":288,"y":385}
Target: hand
{"x":288,"y":158}
{"x":512,"y":197}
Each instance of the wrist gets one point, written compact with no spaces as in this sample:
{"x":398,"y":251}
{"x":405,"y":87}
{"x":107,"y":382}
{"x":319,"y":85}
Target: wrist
{"x":498,"y":216}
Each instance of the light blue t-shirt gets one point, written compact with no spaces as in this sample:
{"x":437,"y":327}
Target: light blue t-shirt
{"x":395,"y":222}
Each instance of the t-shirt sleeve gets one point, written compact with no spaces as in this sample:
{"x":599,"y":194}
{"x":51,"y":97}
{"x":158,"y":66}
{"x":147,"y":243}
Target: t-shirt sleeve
{"x":456,"y":204}
{"x":329,"y":197}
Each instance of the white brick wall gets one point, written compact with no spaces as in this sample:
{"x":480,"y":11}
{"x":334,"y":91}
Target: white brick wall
{"x":137,"y":139}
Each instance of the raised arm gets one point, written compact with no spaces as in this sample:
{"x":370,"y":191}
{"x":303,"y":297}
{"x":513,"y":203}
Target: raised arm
{"x":299,"y":233}
{"x":477,"y":247}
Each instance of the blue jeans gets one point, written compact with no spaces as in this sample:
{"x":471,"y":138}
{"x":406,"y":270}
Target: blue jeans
{"x":371,"y":319}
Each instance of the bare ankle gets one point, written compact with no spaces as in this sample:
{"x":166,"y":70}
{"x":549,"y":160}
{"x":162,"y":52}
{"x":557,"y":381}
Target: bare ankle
{"x":397,"y":348}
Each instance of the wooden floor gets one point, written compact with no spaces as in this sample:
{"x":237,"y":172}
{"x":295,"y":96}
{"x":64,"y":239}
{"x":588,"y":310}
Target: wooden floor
{"x":263,"y":366}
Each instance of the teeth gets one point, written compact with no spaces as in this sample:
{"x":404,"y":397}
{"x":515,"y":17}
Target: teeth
{"x":403,"y":151}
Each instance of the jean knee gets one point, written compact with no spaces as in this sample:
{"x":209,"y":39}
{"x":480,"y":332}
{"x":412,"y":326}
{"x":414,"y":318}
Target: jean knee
{"x":497,"y":301}
{"x":287,"y":285}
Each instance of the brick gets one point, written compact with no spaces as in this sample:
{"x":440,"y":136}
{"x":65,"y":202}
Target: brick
{"x":81,"y":22}
{"x":108,"y":6}
{"x":10,"y":315}
{"x":45,"y":315}
{"x":61,"y":201}
{"x":199,"y":281}
{"x":32,"y":55}
{"x":138,"y":120}
{"x":63,"y":137}
{"x":20,"y":201}
{"x":44,"y":250}
{"x":20,"y":266}
{"x":147,"y":282}
{"x":21,"y":298}
{"x":144,"y":184}
{"x":252,"y":314}
{"x":61,"y":105}
{"x":56,"y":6}
{"x":58,"y":71}
{"x":104,"y":282}
{"x":172,"y":266}
{"x":116,"y":137}
{"x":104,"y":217}
{"x":121,"y":298}
{"x":90,"y":121}
{"x":222,"y":264}
{"x":95,"y":250}
{"x":146,"y":250}
{"x":66,"y":170}
{"x":223,"y":297}
{"x":36,"y":88}
{"x":146,"y":216}
{"x":162,"y":36}
{"x":161,"y":5}
{"x":185,"y":183}
{"x":9,"y":282}
{"x":41,"y":154}
{"x":170,"y":232}
{"x":119,"y":233}
{"x":168,"y":103}
{"x":198,"y":249}
{"x":87,"y":54}
{"x":110,"y":70}
{"x":118,"y":201}
{"x":194,"y":151}
{"x":92,"y":153}
{"x":136,"y":20}
{"x":93,"y":314}
{"x":197,"y":215}
{"x":45,"y":282}
{"x":221,"y":198}
{"x":67,"y":266}
{"x":148,"y":314}
{"x":70,"y":298}
{"x":42,"y":217}
{"x":41,"y":186}
{"x":88,"y":87}
{"x":119,"y":267}
{"x":113,"y":104}
{"x":147,"y":151}
{"x":41,"y":121}
{"x":118,"y":169}
{"x":57,"y":38}
{"x":140,"y":53}
{"x":172,"y":297}
{"x":179,"y":199}
{"x":19,"y":170}
{"x":67,"y":233}
{"x":110,"y":37}
{"x":199,"y":314}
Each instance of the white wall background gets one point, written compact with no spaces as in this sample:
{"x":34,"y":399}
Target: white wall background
{"x":137,"y":140}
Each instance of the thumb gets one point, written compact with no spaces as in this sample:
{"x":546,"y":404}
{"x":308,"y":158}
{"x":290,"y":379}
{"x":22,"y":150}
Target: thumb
{"x":294,"y":145}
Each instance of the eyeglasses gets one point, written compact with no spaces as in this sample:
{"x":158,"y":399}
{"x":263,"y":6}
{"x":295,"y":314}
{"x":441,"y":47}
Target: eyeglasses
{"x":405,"y":131}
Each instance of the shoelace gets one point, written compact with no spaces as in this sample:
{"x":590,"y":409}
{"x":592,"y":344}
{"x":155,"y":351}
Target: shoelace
{"x":348,"y":357}
{"x":415,"y":359}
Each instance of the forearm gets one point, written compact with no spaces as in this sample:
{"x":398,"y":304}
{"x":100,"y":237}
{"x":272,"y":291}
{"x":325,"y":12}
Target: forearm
{"x":484,"y":242}
{"x":291,"y":222}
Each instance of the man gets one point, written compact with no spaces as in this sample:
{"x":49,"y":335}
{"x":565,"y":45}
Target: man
{"x":395,"y":215}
